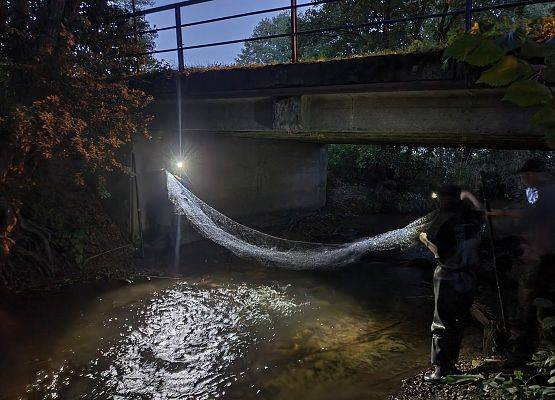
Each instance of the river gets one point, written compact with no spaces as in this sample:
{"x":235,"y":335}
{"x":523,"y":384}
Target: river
{"x":230,"y":332}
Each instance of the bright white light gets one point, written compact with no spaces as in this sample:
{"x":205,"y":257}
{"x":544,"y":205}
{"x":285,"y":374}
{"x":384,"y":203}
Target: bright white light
{"x":532,"y":195}
{"x":180,"y":164}
{"x":434,"y":195}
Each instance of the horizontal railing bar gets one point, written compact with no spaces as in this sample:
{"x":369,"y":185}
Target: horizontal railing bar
{"x":187,"y":3}
{"x":284,"y":8}
{"x":513,"y":4}
{"x":166,"y":7}
{"x":422,"y":17}
{"x":199,"y":46}
{"x":234,"y":16}
{"x":308,"y":32}
{"x":350,"y":26}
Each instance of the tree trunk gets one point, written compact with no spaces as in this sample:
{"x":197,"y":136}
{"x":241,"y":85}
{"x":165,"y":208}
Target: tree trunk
{"x":442,"y":28}
{"x":417,"y":28}
{"x":386,"y":28}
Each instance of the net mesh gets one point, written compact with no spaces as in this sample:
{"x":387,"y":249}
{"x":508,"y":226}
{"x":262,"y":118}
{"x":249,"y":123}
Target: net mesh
{"x":274,"y":251}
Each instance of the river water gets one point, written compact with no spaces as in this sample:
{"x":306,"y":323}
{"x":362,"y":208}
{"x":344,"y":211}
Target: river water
{"x":229,"y":333}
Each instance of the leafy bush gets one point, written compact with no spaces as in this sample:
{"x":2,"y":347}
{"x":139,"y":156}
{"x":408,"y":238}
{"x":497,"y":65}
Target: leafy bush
{"x":538,"y":383}
{"x":514,"y":60}
{"x":401,"y":178}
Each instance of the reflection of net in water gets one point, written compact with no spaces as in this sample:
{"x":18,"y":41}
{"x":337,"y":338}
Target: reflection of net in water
{"x":270,"y":250}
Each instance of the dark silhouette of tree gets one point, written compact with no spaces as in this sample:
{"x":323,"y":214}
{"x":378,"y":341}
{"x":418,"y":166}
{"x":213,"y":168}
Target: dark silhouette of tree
{"x":63,"y":97}
{"x":413,"y":35}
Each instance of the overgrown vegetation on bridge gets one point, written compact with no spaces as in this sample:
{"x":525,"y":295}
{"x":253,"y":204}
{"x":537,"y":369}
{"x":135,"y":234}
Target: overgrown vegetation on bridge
{"x":400,"y":37}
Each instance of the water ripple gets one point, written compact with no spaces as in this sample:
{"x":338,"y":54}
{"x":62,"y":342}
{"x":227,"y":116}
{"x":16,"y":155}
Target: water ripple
{"x":186,"y":342}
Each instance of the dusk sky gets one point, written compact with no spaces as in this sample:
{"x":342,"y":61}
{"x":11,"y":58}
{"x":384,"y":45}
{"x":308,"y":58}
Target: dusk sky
{"x":218,"y":31}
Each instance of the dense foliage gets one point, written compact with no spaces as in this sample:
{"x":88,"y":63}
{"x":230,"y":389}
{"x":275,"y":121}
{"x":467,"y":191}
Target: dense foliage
{"x":401,"y":178}
{"x":525,"y":65}
{"x":409,"y":36}
{"x":65,"y":106}
{"x":535,"y":381}
{"x":61,"y":92}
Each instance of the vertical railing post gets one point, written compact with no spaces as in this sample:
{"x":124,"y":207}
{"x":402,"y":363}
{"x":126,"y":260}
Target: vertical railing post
{"x":181,"y":67}
{"x":135,"y":37}
{"x":294,"y":41}
{"x":179,"y":37}
{"x":468,"y":15}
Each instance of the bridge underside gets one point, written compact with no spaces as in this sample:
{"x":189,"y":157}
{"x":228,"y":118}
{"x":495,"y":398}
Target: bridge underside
{"x":230,"y":115}
{"x":395,"y":99}
{"x":468,"y":118}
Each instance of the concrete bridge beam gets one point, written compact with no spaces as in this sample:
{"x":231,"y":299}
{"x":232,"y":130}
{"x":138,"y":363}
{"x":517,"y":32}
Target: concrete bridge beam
{"x":450,"y":118}
{"x":393,"y":99}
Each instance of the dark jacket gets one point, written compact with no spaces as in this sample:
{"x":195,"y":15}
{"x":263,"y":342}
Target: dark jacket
{"x":458,"y":237}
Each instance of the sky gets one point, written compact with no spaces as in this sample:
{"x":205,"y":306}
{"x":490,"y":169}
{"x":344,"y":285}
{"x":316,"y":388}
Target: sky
{"x":218,"y":31}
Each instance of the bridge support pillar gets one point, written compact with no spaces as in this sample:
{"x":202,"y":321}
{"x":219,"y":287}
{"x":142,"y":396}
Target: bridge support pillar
{"x":258,"y":182}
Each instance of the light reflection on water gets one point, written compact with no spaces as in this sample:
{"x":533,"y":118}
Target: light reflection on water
{"x":217,"y":338}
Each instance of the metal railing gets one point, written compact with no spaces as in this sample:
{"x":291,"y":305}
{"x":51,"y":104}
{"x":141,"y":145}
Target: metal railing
{"x":468,"y":11}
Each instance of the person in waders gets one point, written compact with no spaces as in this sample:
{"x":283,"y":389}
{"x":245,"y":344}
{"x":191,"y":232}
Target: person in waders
{"x":535,"y":224}
{"x":455,"y":246}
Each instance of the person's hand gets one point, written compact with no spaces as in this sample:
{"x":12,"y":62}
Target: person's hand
{"x":423,"y":237}
{"x":466,"y":195}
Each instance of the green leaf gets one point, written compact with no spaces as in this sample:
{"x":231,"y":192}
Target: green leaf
{"x":486,"y":53}
{"x":507,"y":70}
{"x":532,"y":49}
{"x":545,"y":117}
{"x":462,"y":46}
{"x":527,"y":93}
{"x":456,"y":379}
{"x":548,"y":323}
{"x":551,"y":380}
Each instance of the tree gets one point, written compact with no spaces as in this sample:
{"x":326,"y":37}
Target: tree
{"x":268,"y":51}
{"x":376,"y":38}
{"x":63,"y":97}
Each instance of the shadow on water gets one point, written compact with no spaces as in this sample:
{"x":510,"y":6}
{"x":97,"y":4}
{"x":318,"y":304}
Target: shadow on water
{"x":231,"y":331}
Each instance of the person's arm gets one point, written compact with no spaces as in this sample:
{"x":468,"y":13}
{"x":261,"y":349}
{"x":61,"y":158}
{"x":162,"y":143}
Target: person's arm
{"x":466,"y":195}
{"x":432,"y":247}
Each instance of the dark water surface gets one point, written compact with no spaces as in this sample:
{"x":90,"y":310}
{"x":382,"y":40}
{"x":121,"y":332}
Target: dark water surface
{"x":232,"y":333}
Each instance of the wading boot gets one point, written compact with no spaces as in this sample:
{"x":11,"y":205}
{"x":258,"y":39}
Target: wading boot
{"x":435,"y":376}
{"x":439,"y":374}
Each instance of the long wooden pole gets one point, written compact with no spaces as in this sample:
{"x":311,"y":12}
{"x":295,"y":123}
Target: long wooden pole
{"x":493,"y":254}
{"x":139,"y":217}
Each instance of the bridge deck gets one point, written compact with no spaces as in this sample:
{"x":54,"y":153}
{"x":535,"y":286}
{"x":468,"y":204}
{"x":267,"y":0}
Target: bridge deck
{"x":395,"y":99}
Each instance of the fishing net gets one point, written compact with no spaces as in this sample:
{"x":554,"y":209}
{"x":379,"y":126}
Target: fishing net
{"x":273,"y":251}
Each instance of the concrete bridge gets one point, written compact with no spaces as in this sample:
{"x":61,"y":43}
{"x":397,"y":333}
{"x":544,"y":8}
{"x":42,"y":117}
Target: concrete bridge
{"x":254,"y":138}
